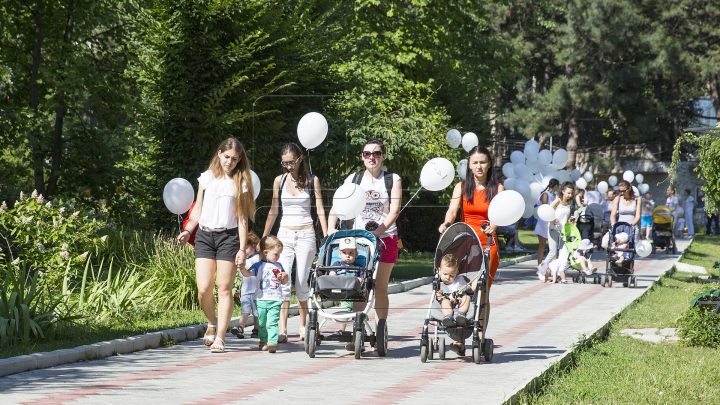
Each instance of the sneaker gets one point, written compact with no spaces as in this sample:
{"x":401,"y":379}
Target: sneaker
{"x":262,"y":346}
{"x":460,"y":319}
{"x":448,"y":321}
{"x":563,"y":281}
{"x":593,"y":270}
{"x":271,"y":347}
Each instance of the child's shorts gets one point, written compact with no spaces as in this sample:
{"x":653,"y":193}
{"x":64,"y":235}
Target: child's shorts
{"x":347,"y":306}
{"x":247,"y":302}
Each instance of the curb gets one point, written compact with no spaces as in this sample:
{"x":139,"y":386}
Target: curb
{"x":601,"y":333}
{"x":152,"y":340}
{"x":506,"y":263}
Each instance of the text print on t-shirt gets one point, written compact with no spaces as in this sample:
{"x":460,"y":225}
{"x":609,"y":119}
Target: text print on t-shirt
{"x":270,"y":280}
{"x":373,"y":212}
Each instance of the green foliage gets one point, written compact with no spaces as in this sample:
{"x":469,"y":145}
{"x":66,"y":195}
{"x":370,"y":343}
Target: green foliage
{"x":171,"y":270}
{"x":51,"y":238}
{"x":708,"y":156}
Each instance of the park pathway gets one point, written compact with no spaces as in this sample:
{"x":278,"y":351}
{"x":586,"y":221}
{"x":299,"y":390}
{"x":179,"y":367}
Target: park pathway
{"x":532,"y":325}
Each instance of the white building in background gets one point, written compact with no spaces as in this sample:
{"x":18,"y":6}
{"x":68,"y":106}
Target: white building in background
{"x":705,"y":109}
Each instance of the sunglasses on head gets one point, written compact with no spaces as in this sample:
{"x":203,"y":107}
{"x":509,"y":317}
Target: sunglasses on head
{"x":376,"y":154}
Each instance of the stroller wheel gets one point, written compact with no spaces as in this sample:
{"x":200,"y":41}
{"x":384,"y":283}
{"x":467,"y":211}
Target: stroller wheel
{"x":312,"y":341}
{"x":488,"y":350}
{"x":359,"y":343}
{"x":609,"y":281}
{"x":603,"y":280}
{"x":441,"y":349}
{"x":382,"y":338}
{"x":307,"y":339}
{"x":476,"y":354}
{"x":423,"y":353}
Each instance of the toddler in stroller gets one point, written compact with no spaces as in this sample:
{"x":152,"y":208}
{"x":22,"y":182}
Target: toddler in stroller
{"x":348,"y":254}
{"x":454,"y":294}
{"x":620,"y":256}
{"x":619,"y":247}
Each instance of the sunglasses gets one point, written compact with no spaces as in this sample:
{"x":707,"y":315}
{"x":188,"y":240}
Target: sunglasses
{"x":624,"y":191}
{"x":289,"y":164}
{"x":376,"y":154}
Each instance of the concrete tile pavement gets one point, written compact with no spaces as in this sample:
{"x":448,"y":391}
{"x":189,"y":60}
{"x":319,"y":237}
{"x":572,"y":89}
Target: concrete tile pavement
{"x":532,"y":324}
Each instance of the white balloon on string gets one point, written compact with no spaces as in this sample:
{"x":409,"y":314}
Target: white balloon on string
{"x":508,"y":170}
{"x":545,"y":157}
{"x":437,"y":174}
{"x":312,"y":130}
{"x":588,"y":176}
{"x":517,"y":157}
{"x":454,"y":138}
{"x":462,"y":168}
{"x":629,"y":176}
{"x":469,"y":141}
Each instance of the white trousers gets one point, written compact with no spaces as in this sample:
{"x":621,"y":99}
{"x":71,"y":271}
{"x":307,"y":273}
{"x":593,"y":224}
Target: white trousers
{"x":300,"y":246}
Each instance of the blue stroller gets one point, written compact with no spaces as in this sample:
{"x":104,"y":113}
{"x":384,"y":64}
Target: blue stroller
{"x":624,"y":272}
{"x":327,"y":287}
{"x":462,"y":241}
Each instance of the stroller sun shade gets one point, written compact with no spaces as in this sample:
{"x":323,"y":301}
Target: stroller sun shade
{"x":462,"y":241}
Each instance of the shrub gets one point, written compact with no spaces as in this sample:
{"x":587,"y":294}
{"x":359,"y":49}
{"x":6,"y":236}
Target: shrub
{"x":700,"y":325}
{"x":171,"y":269}
{"x":50,"y":237}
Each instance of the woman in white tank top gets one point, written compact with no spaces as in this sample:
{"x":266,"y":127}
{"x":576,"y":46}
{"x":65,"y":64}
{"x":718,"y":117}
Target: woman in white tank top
{"x":292,"y":192}
{"x":541,"y":227}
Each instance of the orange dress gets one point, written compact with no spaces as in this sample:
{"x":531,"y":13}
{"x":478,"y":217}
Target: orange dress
{"x":472,"y":214}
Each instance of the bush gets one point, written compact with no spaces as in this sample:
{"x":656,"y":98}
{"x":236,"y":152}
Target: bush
{"x":700,"y":325}
{"x":53,"y":239}
{"x":171,"y":270}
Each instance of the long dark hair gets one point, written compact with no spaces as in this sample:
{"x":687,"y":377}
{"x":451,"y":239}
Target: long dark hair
{"x":491,"y":184}
{"x":302,"y":180}
{"x":567,"y":184}
{"x":553,"y":182}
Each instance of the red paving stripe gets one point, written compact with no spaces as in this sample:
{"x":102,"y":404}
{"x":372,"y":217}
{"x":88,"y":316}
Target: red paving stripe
{"x":407,"y":387}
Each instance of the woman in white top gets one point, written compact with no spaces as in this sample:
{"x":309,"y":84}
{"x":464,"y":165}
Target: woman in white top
{"x":541,"y":227}
{"x":689,"y":210}
{"x":381,"y":210}
{"x":627,"y":208}
{"x":672,"y":203}
{"x":562,"y":206}
{"x":222,"y":221}
{"x":297,"y":192}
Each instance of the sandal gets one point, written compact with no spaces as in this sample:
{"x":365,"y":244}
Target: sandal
{"x":254,"y":333}
{"x":301,"y":331}
{"x":457,"y":348}
{"x":210,"y":338}
{"x":217,"y":348}
{"x":448,"y":321}
{"x":238,"y":331}
{"x":282,"y":338}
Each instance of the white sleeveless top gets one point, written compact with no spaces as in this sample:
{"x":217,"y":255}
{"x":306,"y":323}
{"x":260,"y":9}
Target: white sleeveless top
{"x":218,"y":206}
{"x":296,"y":209}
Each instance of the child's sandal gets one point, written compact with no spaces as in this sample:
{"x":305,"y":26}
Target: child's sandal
{"x":238,"y":331}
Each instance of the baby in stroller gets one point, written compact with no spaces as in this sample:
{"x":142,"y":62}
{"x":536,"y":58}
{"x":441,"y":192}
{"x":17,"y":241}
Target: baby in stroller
{"x":454,"y":294}
{"x":582,"y":256}
{"x":621,"y":242}
{"x":348,"y":253}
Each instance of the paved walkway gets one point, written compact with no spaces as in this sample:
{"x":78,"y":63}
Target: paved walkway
{"x":532,"y":324}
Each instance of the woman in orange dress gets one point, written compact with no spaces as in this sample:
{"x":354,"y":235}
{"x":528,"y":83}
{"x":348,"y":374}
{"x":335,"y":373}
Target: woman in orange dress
{"x":475,"y":193}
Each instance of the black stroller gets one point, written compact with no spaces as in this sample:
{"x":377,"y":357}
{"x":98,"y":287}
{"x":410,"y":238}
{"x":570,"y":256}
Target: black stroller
{"x":624,"y":272}
{"x":462,"y":241}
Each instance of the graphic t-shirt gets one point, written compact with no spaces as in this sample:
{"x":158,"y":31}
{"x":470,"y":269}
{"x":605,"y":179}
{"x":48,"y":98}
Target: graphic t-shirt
{"x":249,"y":284}
{"x":645,"y":211}
{"x":377,"y":202}
{"x":349,"y":272}
{"x":268,"y":283}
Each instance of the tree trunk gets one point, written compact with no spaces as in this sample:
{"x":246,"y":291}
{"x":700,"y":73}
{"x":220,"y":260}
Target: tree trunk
{"x":714,"y":86}
{"x":573,"y":135}
{"x":38,"y":156}
{"x":496,"y":133}
{"x":61,"y":109}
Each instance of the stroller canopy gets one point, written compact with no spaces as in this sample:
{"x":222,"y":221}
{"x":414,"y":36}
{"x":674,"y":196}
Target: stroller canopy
{"x":462,"y":241}
{"x":662,"y":215}
{"x":571,"y":236}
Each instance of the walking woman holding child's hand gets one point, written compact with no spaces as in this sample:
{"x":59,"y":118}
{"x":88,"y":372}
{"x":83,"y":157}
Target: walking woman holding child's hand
{"x":223,"y":206}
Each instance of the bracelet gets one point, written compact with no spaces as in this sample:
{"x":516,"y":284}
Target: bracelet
{"x":185,"y":230}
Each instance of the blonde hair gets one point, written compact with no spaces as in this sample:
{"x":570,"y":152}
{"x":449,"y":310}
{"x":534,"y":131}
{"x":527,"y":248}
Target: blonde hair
{"x":450,"y":260}
{"x":268,"y":243}
{"x":244,"y":202}
{"x":673,"y":190}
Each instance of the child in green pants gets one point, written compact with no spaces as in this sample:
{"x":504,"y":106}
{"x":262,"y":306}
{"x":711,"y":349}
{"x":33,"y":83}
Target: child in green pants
{"x":269,"y":275}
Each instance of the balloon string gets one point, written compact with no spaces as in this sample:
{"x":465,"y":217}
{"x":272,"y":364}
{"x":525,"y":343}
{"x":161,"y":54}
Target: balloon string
{"x":180,"y":222}
{"x":308,"y":152}
{"x":411,"y":198}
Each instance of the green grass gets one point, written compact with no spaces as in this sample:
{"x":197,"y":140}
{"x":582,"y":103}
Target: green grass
{"x":623,"y":370}
{"x":413,"y":265}
{"x":704,"y":252}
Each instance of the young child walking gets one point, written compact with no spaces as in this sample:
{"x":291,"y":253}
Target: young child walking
{"x":269,"y":275}
{"x":454,"y":297}
{"x":246,"y":293}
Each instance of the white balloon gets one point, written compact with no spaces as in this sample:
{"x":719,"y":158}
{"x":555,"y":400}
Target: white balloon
{"x":255,"y":184}
{"x":545,"y":157}
{"x":643,"y":248}
{"x":535,"y":190}
{"x":639,"y":178}
{"x":602,"y":187}
{"x":454,"y":138}
{"x":636,"y":191}
{"x":546,"y":212}
{"x":517,"y":157}
{"x":546,"y":181}
{"x":437,"y":174}
{"x":581,"y":184}
{"x":469,"y":141}
{"x":629,"y":176}
{"x":612,"y":181}
{"x":312,"y":130}
{"x":588,"y":176}
{"x":563,"y":176}
{"x":532,"y":148}
{"x":529,"y":210}
{"x":509,"y":183}
{"x":508,"y":170}
{"x":506,"y":208}
{"x":349,"y":201}
{"x":644,"y":188}
{"x":560,"y":158}
{"x":178,"y":195}
{"x":533,"y":166}
{"x":574,"y":175}
{"x":522,"y":171}
{"x":538,"y":177}
{"x":522,"y":187}
{"x":462,"y":168}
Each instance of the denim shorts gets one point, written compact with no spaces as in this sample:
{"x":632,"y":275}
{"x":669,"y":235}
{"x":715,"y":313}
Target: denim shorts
{"x":247,"y":302}
{"x":646,"y":221}
{"x":222,"y":245}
